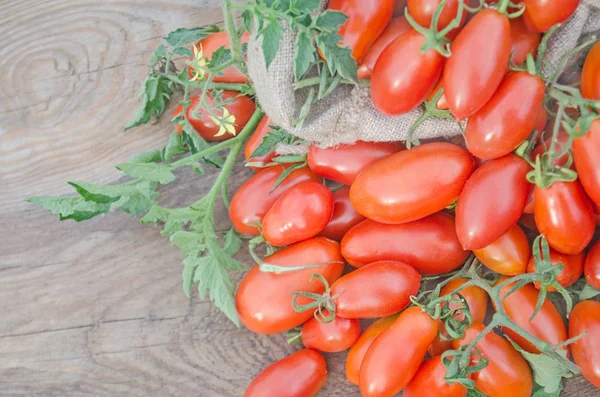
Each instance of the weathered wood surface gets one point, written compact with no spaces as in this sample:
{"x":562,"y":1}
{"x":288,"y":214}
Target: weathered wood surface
{"x":96,"y":309}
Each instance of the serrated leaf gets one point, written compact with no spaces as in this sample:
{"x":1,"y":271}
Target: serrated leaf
{"x":286,"y":173}
{"x":160,"y":173}
{"x":156,"y":95}
{"x":247,"y":18}
{"x":271,"y":34}
{"x":538,"y":391}
{"x":588,"y":292}
{"x":189,"y":268}
{"x":196,"y":144}
{"x":270,"y":141}
{"x":330,"y":20}
{"x":188,"y":241}
{"x":150,"y":156}
{"x":134,"y":205}
{"x":98,"y":193}
{"x":56,"y":205}
{"x":214,"y":279}
{"x":86,"y":210}
{"x":339,"y":59}
{"x":157,"y":55}
{"x":307,"y":6}
{"x":475,"y":393}
{"x":174,"y":147}
{"x":233,"y":242}
{"x":182,"y":51}
{"x":182,"y":36}
{"x":304,"y":54}
{"x":220,"y":57}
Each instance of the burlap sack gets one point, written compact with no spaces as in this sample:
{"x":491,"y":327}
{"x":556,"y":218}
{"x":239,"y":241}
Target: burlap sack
{"x":348,"y":114}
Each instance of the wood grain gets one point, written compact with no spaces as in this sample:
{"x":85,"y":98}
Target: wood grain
{"x":97,"y":309}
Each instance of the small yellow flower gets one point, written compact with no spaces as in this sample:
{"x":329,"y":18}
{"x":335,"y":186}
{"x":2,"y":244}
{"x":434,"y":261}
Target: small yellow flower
{"x":199,"y":64}
{"x":226,"y":123}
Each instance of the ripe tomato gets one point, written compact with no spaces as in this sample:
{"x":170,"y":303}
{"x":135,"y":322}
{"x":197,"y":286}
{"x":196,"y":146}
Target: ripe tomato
{"x":336,"y":336}
{"x":542,"y":120}
{"x":585,"y":317}
{"x":386,"y":370}
{"x":592,"y":266}
{"x":541,"y":15}
{"x":495,"y":194}
{"x":359,"y":349}
{"x":343,"y":163}
{"x":256,"y":139}
{"x":264,"y":300}
{"x":301,"y":374}
{"x":508,"y":118}
{"x":399,"y":7}
{"x":393,"y":30}
{"x":547,"y":325}
{"x":422,"y":11}
{"x":396,"y":91}
{"x":429,"y":245}
{"x":561,"y":141}
{"x":366,"y":21}
{"x":442,"y":103}
{"x":376,"y":290}
{"x":573,"y":267}
{"x":590,"y":75}
{"x":507,"y":372}
{"x":412,"y":184}
{"x":212,"y":43}
{"x":586,"y":153}
{"x":508,"y":255}
{"x":530,"y":198}
{"x":565,"y":215}
{"x":429,"y":382}
{"x":344,"y":216}
{"x":254,"y":198}
{"x":528,"y":222}
{"x":469,"y":85}
{"x":522,"y":41}
{"x":300,"y":213}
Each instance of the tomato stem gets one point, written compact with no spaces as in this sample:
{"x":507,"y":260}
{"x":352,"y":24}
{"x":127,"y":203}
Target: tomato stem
{"x":317,"y":80}
{"x":234,"y":38}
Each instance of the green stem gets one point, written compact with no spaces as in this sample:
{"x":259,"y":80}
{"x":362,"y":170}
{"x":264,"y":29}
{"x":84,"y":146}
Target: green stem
{"x":234,"y":39}
{"x":229,"y":86}
{"x":317,"y":80}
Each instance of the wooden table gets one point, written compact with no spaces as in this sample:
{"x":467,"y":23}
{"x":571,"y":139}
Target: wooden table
{"x":97,"y":308}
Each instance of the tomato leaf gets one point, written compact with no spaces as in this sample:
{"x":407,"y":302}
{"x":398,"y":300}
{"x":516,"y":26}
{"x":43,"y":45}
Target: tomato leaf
{"x":538,"y":391}
{"x":475,"y":393}
{"x":233,"y":242}
{"x":174,"y":147}
{"x":214,"y":279}
{"x":160,"y":173}
{"x":188,"y":241}
{"x":220,"y":57}
{"x":183,"y":36}
{"x":307,"y":6}
{"x":157,"y":55}
{"x":304,"y":54}
{"x":150,"y":156}
{"x":286,"y":173}
{"x":156,"y":94}
{"x":271,"y":34}
{"x":330,"y":20}
{"x":339,"y":59}
{"x":196,"y":144}
{"x":248,"y":19}
{"x":183,"y":52}
{"x":276,"y":136}
{"x":588,"y":292}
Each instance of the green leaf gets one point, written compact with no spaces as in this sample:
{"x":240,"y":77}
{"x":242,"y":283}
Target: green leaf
{"x":98,"y":193}
{"x":188,"y":241}
{"x":269,"y":143}
{"x":588,"y":292}
{"x":182,"y":51}
{"x":182,"y":36}
{"x":189,"y":268}
{"x":538,"y":391}
{"x":160,"y":173}
{"x":56,"y":205}
{"x":174,"y":147}
{"x":304,"y":54}
{"x":156,"y":95}
{"x":134,"y":205}
{"x":286,"y":173}
{"x":307,"y":6}
{"x":271,"y":34}
{"x":220,"y":57}
{"x":233,"y":242}
{"x":157,"y":55}
{"x":196,"y":144}
{"x":150,"y":156}
{"x":339,"y":59}
{"x":475,"y":393}
{"x":214,"y":278}
{"x":247,"y":18}
{"x":86,"y":210}
{"x":330,"y":20}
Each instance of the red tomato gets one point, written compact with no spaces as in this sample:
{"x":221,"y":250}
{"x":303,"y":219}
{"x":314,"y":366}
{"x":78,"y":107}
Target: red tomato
{"x":563,"y":137}
{"x":469,"y":85}
{"x":573,"y":267}
{"x":412,"y":184}
{"x":396,"y":91}
{"x":547,"y":325}
{"x":344,"y":216}
{"x":386,"y":369}
{"x":422,"y":11}
{"x":254,"y":198}
{"x":399,"y":7}
{"x":590,"y":75}
{"x":528,"y":222}
{"x":507,"y":373}
{"x":564,"y":214}
{"x":508,"y":118}
{"x":541,"y":15}
{"x":264,"y":300}
{"x":522,"y":41}
{"x":429,"y":382}
{"x":586,"y":153}
{"x":530,"y":201}
{"x":300,"y":213}
{"x":376,"y":290}
{"x":212,"y":43}
{"x":344,"y":162}
{"x":393,"y":30}
{"x":429,"y":245}
{"x":542,"y":119}
{"x":336,"y":336}
{"x":508,"y":255}
{"x":366,"y":21}
{"x":262,"y":130}
{"x":442,"y":103}
{"x":585,"y":317}
{"x":301,"y":374}
{"x":592,"y":266}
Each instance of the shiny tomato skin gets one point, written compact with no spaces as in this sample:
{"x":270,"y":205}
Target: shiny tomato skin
{"x":212,"y":43}
{"x":429,"y":245}
{"x":422,"y":11}
{"x":523,"y":41}
{"x":343,"y":163}
{"x":573,"y":268}
{"x":590,"y":75}
{"x":495,"y":194}
{"x":412,"y":184}
{"x":541,"y":15}
{"x":397,"y":27}
{"x":301,"y":374}
{"x":591,"y":267}
{"x":586,"y":153}
{"x":528,"y":222}
{"x":542,"y":120}
{"x":300,"y":213}
{"x":397,"y":91}
{"x":264,"y":300}
{"x":429,"y":381}
{"x":262,"y":130}
{"x":344,"y":217}
{"x":469,"y":85}
{"x":333,"y":337}
{"x":564,"y":214}
{"x":386,"y":370}
{"x":507,"y":373}
{"x":509,"y":255}
{"x":254,"y":198}
{"x":585,"y":317}
{"x":375,"y":290}
{"x":442,"y":103}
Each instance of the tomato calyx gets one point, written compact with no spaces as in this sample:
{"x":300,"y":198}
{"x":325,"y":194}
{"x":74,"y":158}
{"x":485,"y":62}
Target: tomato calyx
{"x":503,"y":6}
{"x":294,"y":336}
{"x":323,"y":304}
{"x":430,"y":110}
{"x":459,"y":369}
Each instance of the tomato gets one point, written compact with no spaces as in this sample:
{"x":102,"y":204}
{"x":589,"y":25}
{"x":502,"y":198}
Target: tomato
{"x":397,"y":27}
{"x":541,"y":121}
{"x":422,"y":11}
{"x":523,"y":41}
{"x":396,"y":91}
{"x":376,"y":290}
{"x":508,"y":118}
{"x":469,"y":85}
{"x":429,"y":245}
{"x":344,"y":216}
{"x":399,"y":7}
{"x":563,"y":137}
{"x":585,"y":317}
{"x":366,"y":21}
{"x":262,"y":130}
{"x":264,"y":300}
{"x":212,"y":43}
{"x":359,"y":349}
{"x":336,"y":336}
{"x":429,"y":381}
{"x":573,"y":267}
{"x":386,"y":369}
{"x":412,"y":184}
{"x":590,"y":75}
{"x":565,"y":215}
{"x":300,"y":213}
{"x":508,"y":255}
{"x":343,"y":163}
{"x":530,"y":201}
{"x":591,"y":267}
{"x":254,"y":198}
{"x":442,"y":103}
{"x":528,"y":222}
{"x":301,"y":374}
{"x":496,"y":195}
{"x":547,"y":325}
{"x":507,"y":372}
{"x":541,"y":15}
{"x":586,"y":153}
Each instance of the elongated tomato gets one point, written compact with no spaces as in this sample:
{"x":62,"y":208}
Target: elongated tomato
{"x":442,"y":103}
{"x":412,"y":184}
{"x":393,"y":30}
{"x":256,"y":139}
{"x":509,"y":255}
{"x":429,"y":245}
{"x":422,"y":12}
{"x":590,"y":75}
{"x":264,"y":300}
{"x":336,"y":336}
{"x":211,"y":44}
{"x":301,"y":374}
{"x":429,"y":381}
{"x":522,"y":41}
{"x":585,"y":317}
{"x":541,"y":15}
{"x":573,"y":267}
{"x":495,"y":194}
{"x":591,"y":267}
{"x":344,"y":216}
{"x":586,"y":153}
